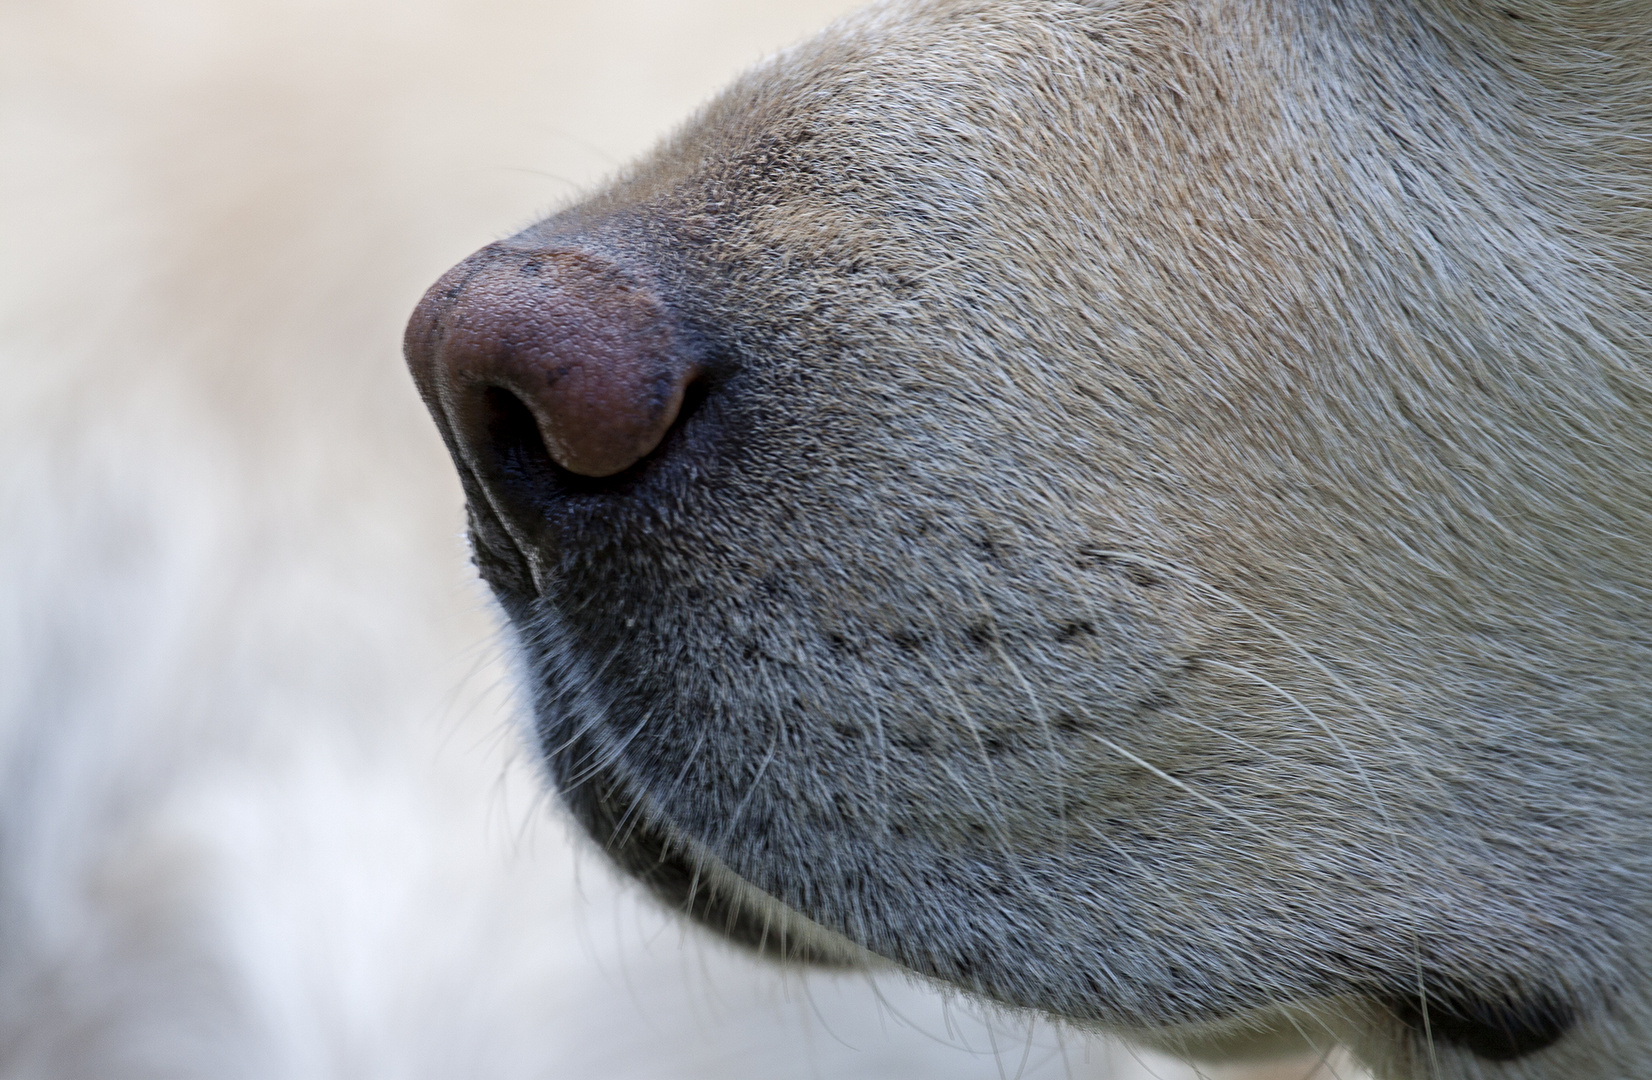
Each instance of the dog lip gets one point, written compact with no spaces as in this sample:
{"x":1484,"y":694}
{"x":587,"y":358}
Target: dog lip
{"x":1496,"y":1030}
{"x":600,"y":799}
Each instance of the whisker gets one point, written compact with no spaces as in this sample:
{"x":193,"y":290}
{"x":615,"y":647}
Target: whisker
{"x":632,"y":819}
{"x":1358,"y":701}
{"x":1377,"y":802}
{"x":751,"y":791}
{"x":1290,"y":643}
{"x":1167,"y":778}
{"x":1058,"y":760}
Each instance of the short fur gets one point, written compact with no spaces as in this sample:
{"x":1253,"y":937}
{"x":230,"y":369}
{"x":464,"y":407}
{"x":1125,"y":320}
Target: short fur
{"x":261,"y":816}
{"x":1166,"y":539}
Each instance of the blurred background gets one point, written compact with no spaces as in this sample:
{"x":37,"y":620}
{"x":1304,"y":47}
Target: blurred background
{"x":263,"y":812}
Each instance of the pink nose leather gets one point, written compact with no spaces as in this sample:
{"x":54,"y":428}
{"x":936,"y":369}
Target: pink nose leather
{"x":593,"y":354}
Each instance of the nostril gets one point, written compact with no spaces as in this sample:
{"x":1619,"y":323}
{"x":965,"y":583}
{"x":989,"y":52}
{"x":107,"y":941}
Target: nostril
{"x":694,"y":398}
{"x":519,"y":461}
{"x":520,"y":458}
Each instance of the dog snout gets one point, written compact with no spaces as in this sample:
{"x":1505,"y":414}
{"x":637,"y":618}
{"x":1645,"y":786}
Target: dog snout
{"x":529,"y":358}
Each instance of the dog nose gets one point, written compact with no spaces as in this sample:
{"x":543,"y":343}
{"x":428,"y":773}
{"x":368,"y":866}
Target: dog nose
{"x":592,"y":353}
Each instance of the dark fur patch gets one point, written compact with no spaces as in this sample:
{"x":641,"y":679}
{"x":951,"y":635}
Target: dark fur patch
{"x":1497,"y":1030}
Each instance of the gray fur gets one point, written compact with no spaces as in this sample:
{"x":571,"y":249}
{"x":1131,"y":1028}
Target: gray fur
{"x":261,"y":814}
{"x":1169,"y":548}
